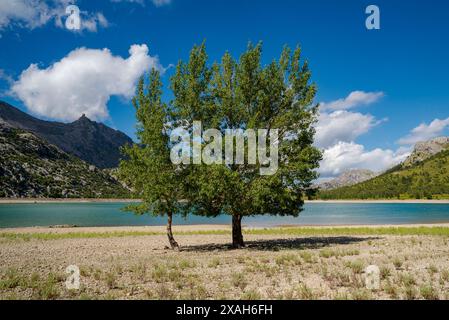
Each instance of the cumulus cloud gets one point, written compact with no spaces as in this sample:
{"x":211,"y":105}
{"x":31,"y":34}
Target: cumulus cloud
{"x":26,"y":12}
{"x":82,"y":82}
{"x":425,"y":132}
{"x":342,"y":126}
{"x":354,"y":99}
{"x":345,"y":156}
{"x":32,"y":14}
{"x":337,"y":130}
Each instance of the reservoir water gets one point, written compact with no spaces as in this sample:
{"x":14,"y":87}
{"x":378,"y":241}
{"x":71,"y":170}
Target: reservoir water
{"x":110,"y":214}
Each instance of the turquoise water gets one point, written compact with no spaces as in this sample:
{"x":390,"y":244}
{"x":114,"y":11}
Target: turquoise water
{"x":109,"y":214}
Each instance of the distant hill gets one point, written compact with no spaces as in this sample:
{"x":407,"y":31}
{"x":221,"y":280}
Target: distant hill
{"x":413,"y":179}
{"x":32,"y":167}
{"x":90,"y":141}
{"x":348,"y":178}
{"x":426,"y":149}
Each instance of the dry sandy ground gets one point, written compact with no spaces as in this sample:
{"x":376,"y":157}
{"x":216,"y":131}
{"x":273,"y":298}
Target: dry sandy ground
{"x":271,"y":267}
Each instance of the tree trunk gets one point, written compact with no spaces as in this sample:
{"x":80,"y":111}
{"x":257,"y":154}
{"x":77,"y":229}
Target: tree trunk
{"x":237,"y":236}
{"x":173,"y":244}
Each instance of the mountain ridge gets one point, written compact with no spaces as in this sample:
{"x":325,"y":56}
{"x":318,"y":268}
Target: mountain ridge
{"x":88,"y":140}
{"x":32,"y":167}
{"x":348,"y":178}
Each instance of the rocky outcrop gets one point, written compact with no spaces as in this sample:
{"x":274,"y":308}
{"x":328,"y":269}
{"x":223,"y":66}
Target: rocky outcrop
{"x":425,"y":150}
{"x":348,"y":178}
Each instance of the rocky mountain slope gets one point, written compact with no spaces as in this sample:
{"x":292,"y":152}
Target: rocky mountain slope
{"x":348,"y":178}
{"x":426,"y":149}
{"x":90,"y":141}
{"x":32,"y":167}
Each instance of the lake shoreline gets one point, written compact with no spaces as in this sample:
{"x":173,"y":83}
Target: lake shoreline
{"x":207,"y":228}
{"x":88,"y":200}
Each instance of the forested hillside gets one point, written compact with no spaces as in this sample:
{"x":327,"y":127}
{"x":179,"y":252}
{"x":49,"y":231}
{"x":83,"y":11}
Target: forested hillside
{"x":428,"y":179}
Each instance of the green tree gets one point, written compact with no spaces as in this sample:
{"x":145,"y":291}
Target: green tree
{"x":245,"y":94}
{"x":148,"y":169}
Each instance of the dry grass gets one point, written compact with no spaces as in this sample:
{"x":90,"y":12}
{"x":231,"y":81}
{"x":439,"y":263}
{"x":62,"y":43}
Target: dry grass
{"x":273,"y":266}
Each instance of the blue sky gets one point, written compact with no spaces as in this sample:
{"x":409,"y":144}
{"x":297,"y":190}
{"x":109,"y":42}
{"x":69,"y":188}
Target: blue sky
{"x":400,"y":73}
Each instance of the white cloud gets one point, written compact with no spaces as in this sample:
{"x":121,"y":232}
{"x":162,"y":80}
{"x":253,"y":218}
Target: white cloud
{"x":344,"y":156}
{"x":425,"y":132}
{"x":32,"y":14}
{"x":338,"y":129}
{"x":341,"y":126}
{"x":82,"y":82}
{"x":354,"y":99}
{"x":102,"y":21}
{"x":28,"y":13}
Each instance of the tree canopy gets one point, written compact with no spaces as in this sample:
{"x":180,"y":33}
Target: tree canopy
{"x":228,"y":95}
{"x":245,"y":94}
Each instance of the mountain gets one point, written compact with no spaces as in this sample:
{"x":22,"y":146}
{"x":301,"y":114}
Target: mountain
{"x":32,"y":167}
{"x":426,"y":149}
{"x":90,"y":141}
{"x":348,"y":178}
{"x":413,"y":179}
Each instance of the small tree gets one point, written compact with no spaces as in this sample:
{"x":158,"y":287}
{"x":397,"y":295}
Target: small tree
{"x":148,"y":169}
{"x":244,"y":94}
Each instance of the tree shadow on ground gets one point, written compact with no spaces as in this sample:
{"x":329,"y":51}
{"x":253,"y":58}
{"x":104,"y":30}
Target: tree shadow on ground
{"x":283,"y":244}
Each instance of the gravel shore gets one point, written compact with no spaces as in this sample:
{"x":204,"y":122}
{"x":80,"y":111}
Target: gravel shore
{"x":270,"y":267}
